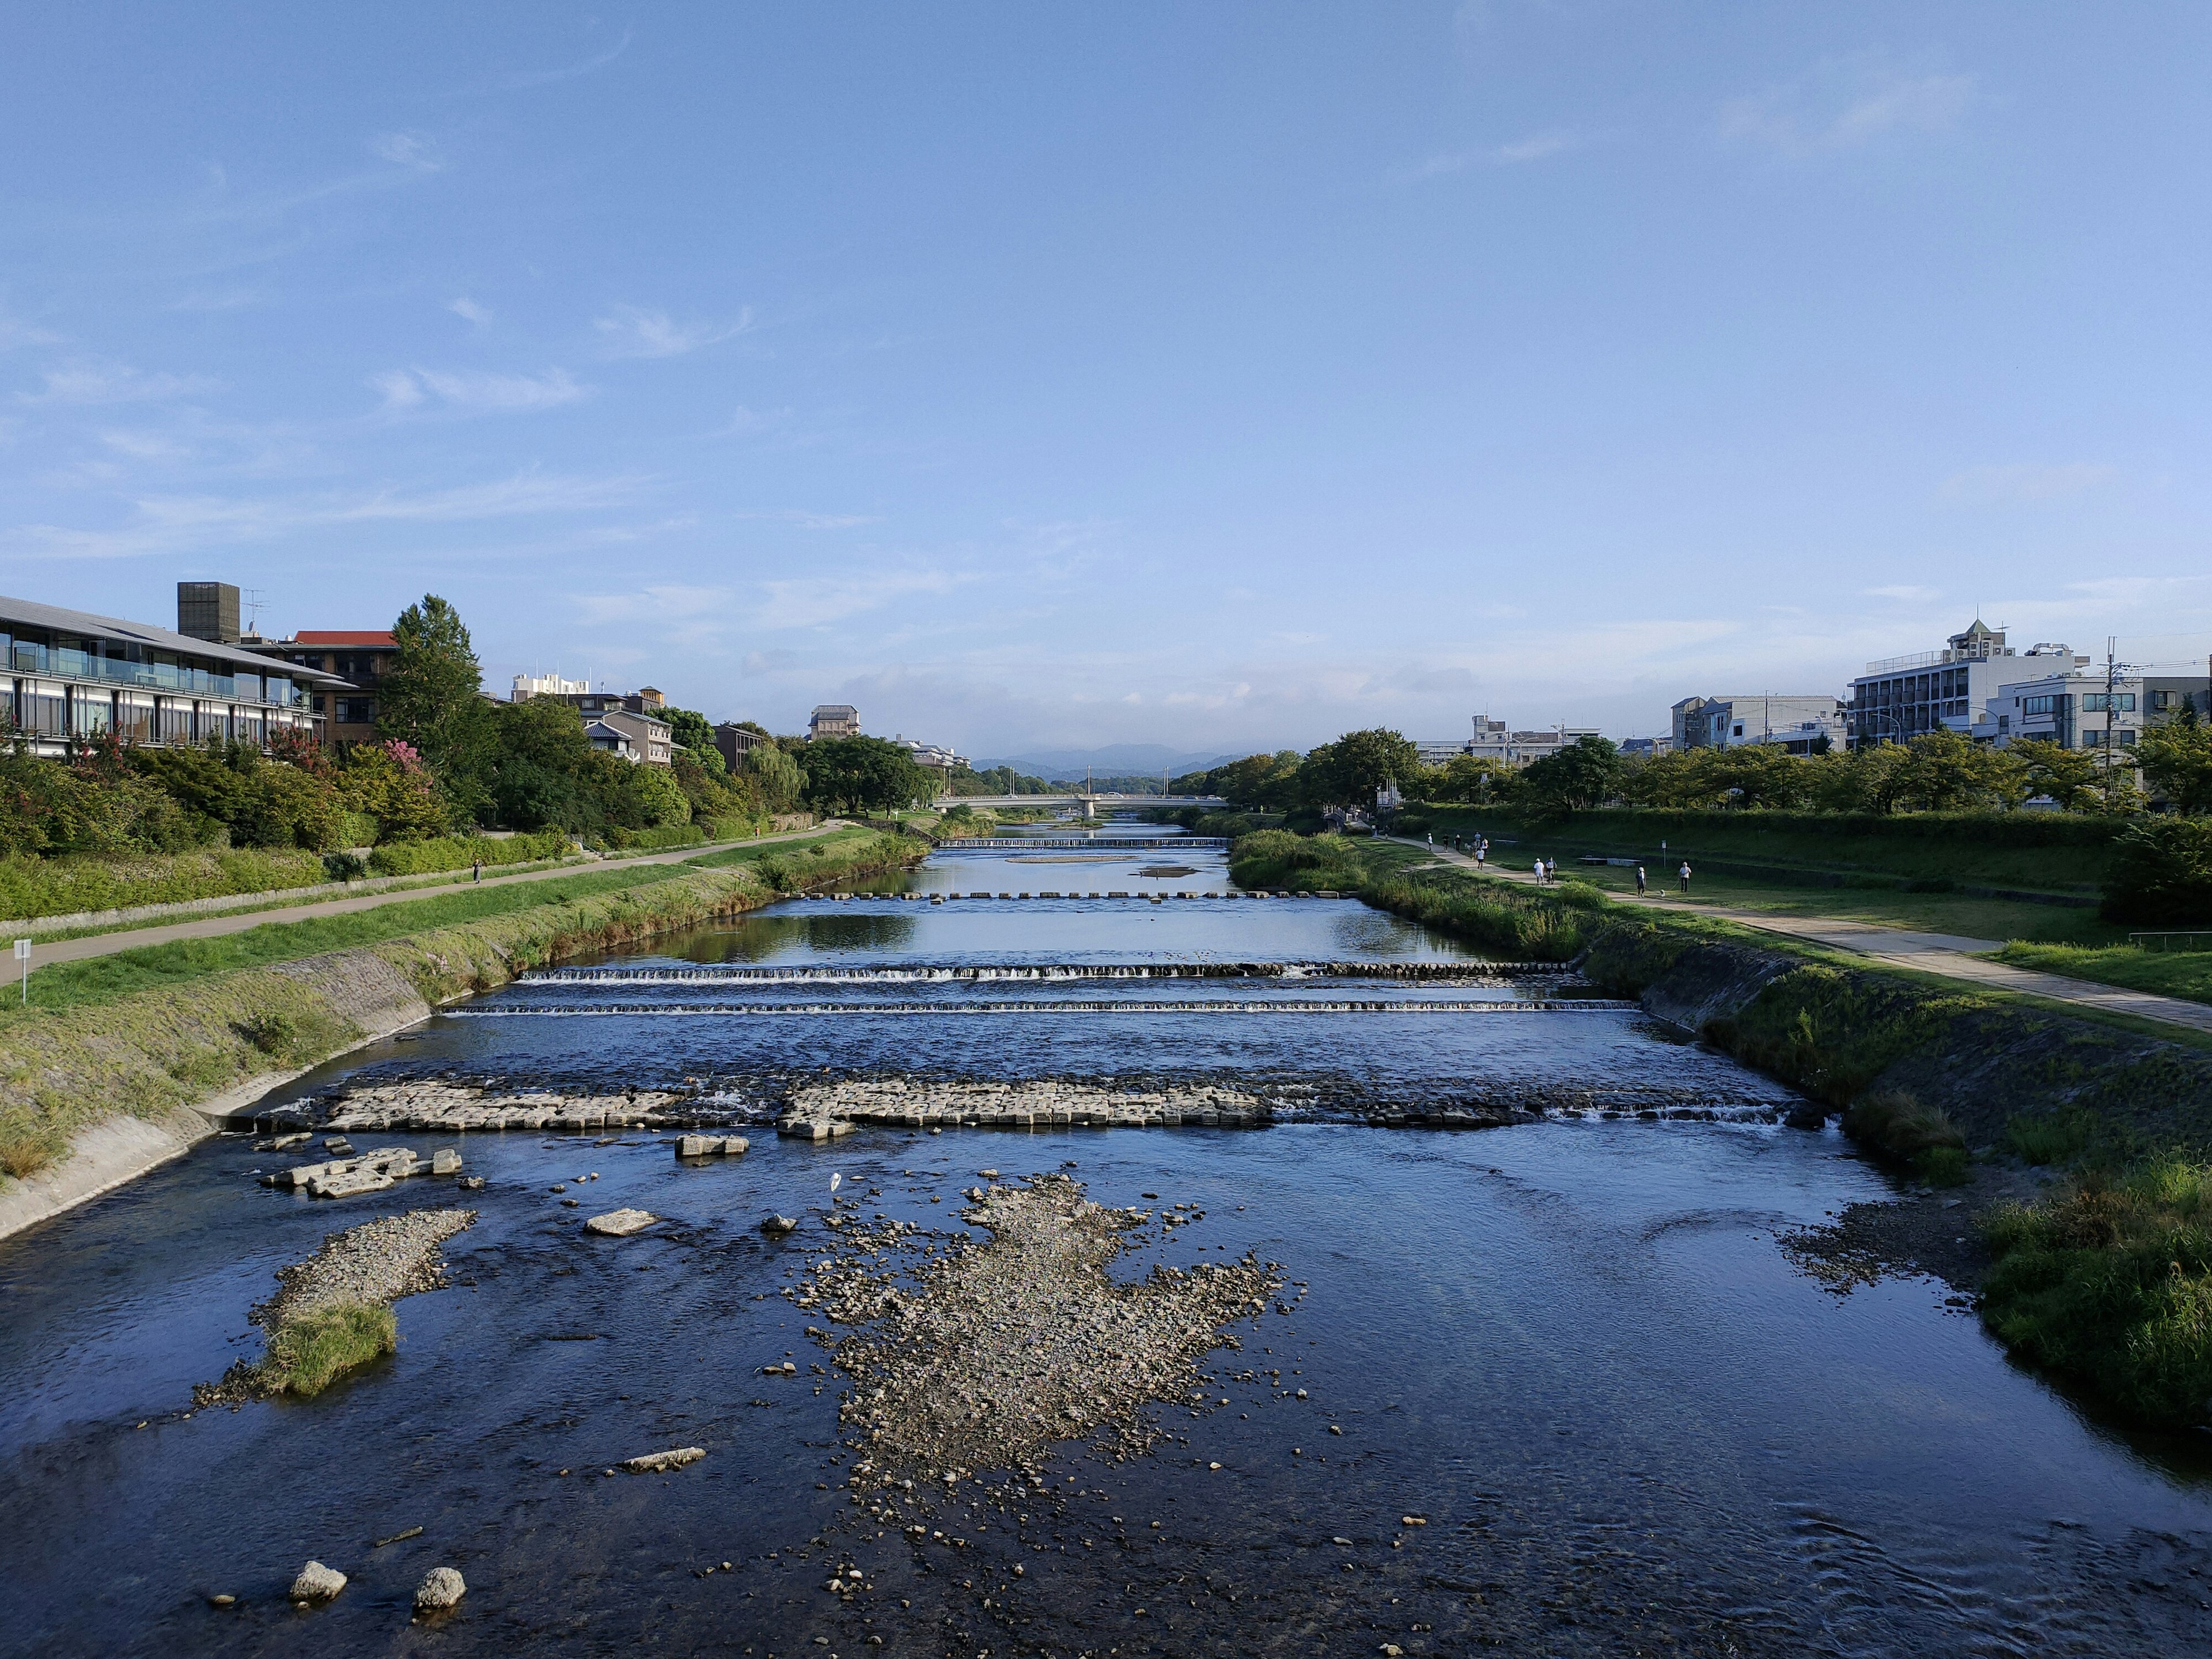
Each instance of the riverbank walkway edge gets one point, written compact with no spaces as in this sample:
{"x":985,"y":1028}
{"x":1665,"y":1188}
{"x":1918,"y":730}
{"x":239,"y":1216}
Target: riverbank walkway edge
{"x":44,"y":953}
{"x":1953,"y":956}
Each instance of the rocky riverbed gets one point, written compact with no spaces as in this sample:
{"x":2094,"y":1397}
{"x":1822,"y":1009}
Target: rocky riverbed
{"x":430,"y":1107}
{"x":981,"y":1355}
{"x":1039,"y":1102}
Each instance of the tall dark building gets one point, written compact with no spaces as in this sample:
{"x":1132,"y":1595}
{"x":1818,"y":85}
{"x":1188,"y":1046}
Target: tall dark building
{"x":208,"y":610}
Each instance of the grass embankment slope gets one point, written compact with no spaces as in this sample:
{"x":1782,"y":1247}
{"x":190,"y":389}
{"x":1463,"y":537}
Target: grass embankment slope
{"x":146,"y":1032}
{"x":2108,"y":1281}
{"x":1939,"y":872}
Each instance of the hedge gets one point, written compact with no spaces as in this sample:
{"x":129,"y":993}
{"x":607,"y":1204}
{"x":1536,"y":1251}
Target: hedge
{"x":31,"y":887}
{"x":416,"y":858}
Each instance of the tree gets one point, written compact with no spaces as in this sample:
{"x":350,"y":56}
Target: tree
{"x":535,"y":767}
{"x":2177,"y":759}
{"x":863,"y":774}
{"x":2068,"y":776}
{"x":1476,"y":780}
{"x":1349,"y":772}
{"x":388,"y":781}
{"x":777,"y":776}
{"x":1583,"y":774}
{"x":1942,"y":772}
{"x":429,"y":698}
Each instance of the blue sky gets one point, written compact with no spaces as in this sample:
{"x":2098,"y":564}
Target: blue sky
{"x":1226,"y":376}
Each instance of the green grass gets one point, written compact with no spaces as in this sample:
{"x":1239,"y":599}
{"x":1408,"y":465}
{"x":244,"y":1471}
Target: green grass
{"x":2185,"y":973}
{"x":2111,"y":1283}
{"x":306,"y":1354}
{"x":34,"y":887}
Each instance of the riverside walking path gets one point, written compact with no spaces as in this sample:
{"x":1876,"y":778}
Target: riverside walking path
{"x":1953,"y":955}
{"x":101,"y":945}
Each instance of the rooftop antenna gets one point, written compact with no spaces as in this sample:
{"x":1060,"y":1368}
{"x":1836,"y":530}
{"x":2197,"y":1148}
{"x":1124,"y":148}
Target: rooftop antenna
{"x":253,"y":602}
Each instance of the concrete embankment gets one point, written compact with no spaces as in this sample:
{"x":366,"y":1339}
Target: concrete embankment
{"x":1841,"y":1033}
{"x":98,"y":1094}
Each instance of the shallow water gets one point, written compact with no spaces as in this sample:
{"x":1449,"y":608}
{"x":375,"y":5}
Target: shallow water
{"x":1574,"y":1347}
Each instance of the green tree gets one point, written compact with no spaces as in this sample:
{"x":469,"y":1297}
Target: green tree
{"x":429,"y":698}
{"x":2068,"y":776}
{"x":535,"y":770}
{"x":863,"y":774}
{"x":1349,"y":772}
{"x":2177,"y":759}
{"x":1942,"y":772}
{"x":777,"y":776}
{"x":1583,"y":774}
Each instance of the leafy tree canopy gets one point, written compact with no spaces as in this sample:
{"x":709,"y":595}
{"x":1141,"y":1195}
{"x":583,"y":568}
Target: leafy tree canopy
{"x":863,"y":774}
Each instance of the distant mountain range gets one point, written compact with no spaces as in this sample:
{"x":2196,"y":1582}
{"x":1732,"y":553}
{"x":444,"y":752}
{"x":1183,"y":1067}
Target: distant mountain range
{"x":1115,"y":759}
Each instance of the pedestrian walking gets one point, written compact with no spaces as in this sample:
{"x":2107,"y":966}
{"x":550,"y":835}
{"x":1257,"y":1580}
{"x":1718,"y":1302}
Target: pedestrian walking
{"x":476,"y":870}
{"x":1684,"y":872}
{"x":1540,"y":872}
{"x":1639,"y":881}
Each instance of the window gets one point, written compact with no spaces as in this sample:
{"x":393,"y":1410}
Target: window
{"x":1739,"y":731}
{"x":90,"y":712}
{"x":40,"y":707}
{"x":2047,"y":704}
{"x":2099,"y":702}
{"x":2161,"y":699}
{"x":356,"y":711}
{"x":2127,"y":739}
{"x":2004,"y":722}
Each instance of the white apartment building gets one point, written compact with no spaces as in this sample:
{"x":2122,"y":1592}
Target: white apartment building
{"x":1799,"y":725}
{"x":527,"y":686}
{"x":1493,"y":741}
{"x":1900,"y":698}
{"x":2074,"y":705}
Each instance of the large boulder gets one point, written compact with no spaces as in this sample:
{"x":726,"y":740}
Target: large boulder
{"x":317,"y":1583}
{"x":441,"y":1587}
{"x":620,"y":1223}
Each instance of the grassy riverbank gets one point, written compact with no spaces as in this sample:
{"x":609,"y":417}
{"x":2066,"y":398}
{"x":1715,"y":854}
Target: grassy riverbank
{"x":2170,"y":972}
{"x":2106,"y":1282}
{"x":145,"y":1032}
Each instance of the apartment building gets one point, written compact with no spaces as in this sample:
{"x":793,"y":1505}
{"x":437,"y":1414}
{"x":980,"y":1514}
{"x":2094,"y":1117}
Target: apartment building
{"x":2075,"y":706}
{"x":1797,"y":724}
{"x":1900,"y":698}
{"x":1495,"y":742}
{"x":833,"y":719}
{"x":68,"y":675}
{"x":737,"y":741}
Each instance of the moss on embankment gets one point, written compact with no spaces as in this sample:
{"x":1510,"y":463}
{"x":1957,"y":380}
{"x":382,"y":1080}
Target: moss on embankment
{"x":150,"y":1051}
{"x":2107,"y":1281}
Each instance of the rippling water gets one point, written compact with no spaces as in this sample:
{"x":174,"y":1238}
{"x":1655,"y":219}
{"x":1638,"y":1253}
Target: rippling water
{"x":1573,"y":1347}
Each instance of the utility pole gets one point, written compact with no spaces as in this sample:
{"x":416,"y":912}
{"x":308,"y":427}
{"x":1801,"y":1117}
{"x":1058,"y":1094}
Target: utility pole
{"x":2111,"y":688}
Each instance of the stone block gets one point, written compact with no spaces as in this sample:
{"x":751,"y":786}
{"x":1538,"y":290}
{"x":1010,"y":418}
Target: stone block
{"x":620,"y":1223}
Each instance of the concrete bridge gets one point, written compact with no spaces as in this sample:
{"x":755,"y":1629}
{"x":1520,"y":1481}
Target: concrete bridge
{"x":1089,"y":802}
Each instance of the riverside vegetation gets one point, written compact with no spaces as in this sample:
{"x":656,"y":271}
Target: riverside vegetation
{"x":2107,"y":1280}
{"x":148,"y":1031}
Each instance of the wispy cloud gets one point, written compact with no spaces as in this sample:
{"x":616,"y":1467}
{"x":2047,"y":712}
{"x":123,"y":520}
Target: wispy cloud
{"x":2026,"y":482}
{"x":1536,"y":147}
{"x":524,"y":79}
{"x":95,"y":382}
{"x":752,"y":423}
{"x":468,"y":310}
{"x":1844,"y":103}
{"x":1904,"y":594}
{"x":14,"y":331}
{"x":633,"y":331}
{"x":173,"y":523}
{"x":474,"y":393}
{"x":806,"y":520}
{"x":407,"y":150}
{"x":814,"y":601}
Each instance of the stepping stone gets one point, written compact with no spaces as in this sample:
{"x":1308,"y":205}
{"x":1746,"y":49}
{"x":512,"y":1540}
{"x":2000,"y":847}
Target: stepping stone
{"x":620,"y":1223}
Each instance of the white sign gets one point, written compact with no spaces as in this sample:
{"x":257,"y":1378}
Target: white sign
{"x":22,"y":950}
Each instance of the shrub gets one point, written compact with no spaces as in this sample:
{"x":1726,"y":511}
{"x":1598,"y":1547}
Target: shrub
{"x":2048,"y":1137}
{"x":2162,"y":874}
{"x":667,"y":834}
{"x":33,"y":887}
{"x":1278,"y":858}
{"x":344,"y":866}
{"x":416,"y":858}
{"x":1897,"y":1129}
{"x":307,"y":1353}
{"x":2112,"y":1284}
{"x":24,"y":1155}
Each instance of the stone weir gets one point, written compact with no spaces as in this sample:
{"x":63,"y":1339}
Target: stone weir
{"x":1052,"y":973}
{"x":822,"y":1111}
{"x":429,"y":1107}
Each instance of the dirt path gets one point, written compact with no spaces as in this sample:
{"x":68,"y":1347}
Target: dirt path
{"x":1953,"y":955}
{"x":102,"y":944}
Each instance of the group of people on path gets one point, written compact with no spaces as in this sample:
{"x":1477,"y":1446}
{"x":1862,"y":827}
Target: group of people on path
{"x":1547,"y":870}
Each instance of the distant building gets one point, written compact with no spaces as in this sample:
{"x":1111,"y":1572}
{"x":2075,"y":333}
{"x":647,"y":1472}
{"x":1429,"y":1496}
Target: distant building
{"x":527,"y":686}
{"x":2072,"y":704}
{"x":643,"y":701}
{"x":70,"y":675}
{"x":1492,"y":741}
{"x":1648,"y":748}
{"x":359,"y":657}
{"x":1901,"y":698}
{"x":1439,"y":752}
{"x":933,"y":757}
{"x":1802,"y":725}
{"x":833,"y":719}
{"x":641,"y":736}
{"x":736,"y":742}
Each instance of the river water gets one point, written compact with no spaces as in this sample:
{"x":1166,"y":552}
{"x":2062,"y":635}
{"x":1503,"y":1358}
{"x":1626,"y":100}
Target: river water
{"x":1574,"y":1348}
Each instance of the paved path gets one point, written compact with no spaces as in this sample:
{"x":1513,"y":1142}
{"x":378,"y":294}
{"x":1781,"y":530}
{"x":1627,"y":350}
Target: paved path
{"x":102,"y":944}
{"x":1953,"y":955}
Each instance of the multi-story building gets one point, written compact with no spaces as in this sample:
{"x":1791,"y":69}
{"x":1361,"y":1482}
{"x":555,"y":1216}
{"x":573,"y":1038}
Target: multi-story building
{"x":1799,"y":725}
{"x":933,"y":757}
{"x":833,"y":719}
{"x":1493,"y":741}
{"x":2076,"y":705}
{"x":736,"y":742}
{"x":527,"y":686}
{"x":356,"y":658}
{"x":68,"y":675}
{"x":1900,"y":698}
{"x":631,"y":735}
{"x":1648,"y":748}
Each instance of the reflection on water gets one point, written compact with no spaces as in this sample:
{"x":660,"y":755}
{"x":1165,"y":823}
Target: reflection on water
{"x":1572,"y":1349}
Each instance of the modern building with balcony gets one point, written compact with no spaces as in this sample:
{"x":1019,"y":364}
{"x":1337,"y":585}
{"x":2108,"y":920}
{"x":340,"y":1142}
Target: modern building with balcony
{"x":738,"y":740}
{"x":72,"y":674}
{"x":356,"y":658}
{"x":2073,"y":704}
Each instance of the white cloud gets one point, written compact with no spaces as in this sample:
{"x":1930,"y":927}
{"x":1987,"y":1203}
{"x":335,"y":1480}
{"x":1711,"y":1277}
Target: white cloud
{"x":1536,"y":147}
{"x":144,"y":445}
{"x":468,"y":309}
{"x":1904,"y":594}
{"x":828,"y":520}
{"x":407,"y":149}
{"x":750,"y":423}
{"x":633,"y":331}
{"x":16,"y":332}
{"x":814,"y":601}
{"x":173,"y":524}
{"x":90,"y":382}
{"x":522,"y":79}
{"x":2026,"y":482}
{"x":476,"y":393}
{"x":1845,"y":103}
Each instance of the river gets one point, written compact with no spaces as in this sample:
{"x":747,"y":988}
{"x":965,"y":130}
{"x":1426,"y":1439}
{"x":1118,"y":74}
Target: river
{"x":1574,"y":1350}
